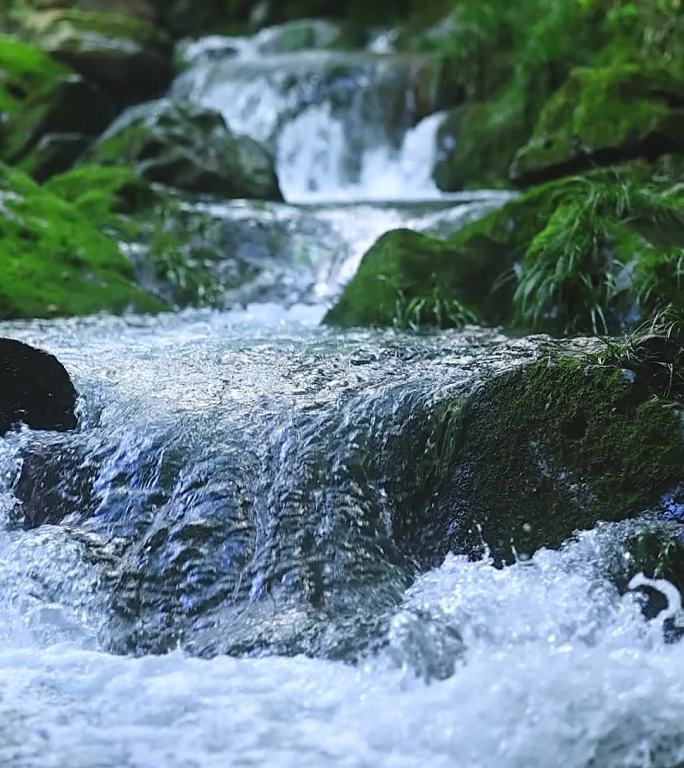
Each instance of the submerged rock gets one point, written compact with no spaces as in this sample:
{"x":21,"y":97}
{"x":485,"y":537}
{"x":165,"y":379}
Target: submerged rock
{"x":604,"y":115}
{"x":35,"y":389}
{"x":190,"y":148}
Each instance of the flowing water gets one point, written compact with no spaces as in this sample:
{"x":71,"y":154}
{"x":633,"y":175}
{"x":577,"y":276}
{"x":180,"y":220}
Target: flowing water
{"x":219,"y":568}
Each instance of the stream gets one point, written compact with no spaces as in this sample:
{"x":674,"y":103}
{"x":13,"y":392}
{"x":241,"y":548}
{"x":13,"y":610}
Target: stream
{"x":221,"y":566}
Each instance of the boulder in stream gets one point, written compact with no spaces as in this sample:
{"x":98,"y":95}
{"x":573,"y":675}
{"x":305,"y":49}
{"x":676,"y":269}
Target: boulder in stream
{"x":550,"y":448}
{"x":129,"y":57}
{"x":190,"y":148}
{"x":35,"y":389}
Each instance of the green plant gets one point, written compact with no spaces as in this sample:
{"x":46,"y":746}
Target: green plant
{"x":593,"y":261}
{"x":434,"y":311}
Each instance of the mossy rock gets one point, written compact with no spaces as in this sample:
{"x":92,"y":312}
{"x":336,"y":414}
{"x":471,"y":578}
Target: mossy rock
{"x":128,"y":56}
{"x":598,"y":254}
{"x":542,"y":451}
{"x":189,"y":148}
{"x":53,"y":261}
{"x":476,"y":144}
{"x":604,"y":115}
{"x":411,"y":280}
{"x":42,"y":98}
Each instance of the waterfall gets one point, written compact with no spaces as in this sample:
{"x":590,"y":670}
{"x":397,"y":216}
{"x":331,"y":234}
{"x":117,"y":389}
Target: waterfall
{"x":343,"y":126}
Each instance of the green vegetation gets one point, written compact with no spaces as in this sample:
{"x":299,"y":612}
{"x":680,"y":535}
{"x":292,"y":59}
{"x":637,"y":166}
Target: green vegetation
{"x":175,"y":251}
{"x":511,"y":59}
{"x":598,"y":254}
{"x":53,"y":261}
{"x":24,"y":70}
{"x":601,"y":114}
{"x":658,"y":552}
{"x":99,"y":192}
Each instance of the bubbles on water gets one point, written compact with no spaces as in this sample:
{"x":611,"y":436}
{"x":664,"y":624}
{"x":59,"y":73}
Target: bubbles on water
{"x":534,"y":665}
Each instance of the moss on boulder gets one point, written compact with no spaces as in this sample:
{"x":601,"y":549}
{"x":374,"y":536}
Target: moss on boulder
{"x":555,"y":446}
{"x":603,"y":115}
{"x":190,"y":148}
{"x":125,"y":54}
{"x":44,"y":126}
{"x":598,"y":253}
{"x":410,"y":280}
{"x":53,"y":261}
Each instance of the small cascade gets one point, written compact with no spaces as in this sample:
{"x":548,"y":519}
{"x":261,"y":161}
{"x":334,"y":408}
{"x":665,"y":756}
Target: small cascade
{"x":344,"y":126}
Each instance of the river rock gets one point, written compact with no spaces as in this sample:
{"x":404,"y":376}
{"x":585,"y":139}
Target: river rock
{"x":537,"y":453}
{"x":190,"y":148}
{"x":128,"y":56}
{"x":602,"y":116}
{"x":35,"y":389}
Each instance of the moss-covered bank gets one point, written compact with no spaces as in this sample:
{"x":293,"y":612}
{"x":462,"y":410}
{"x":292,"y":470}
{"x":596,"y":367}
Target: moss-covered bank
{"x":53,"y":261}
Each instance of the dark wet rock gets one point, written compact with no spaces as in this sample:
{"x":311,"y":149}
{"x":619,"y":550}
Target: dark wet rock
{"x":59,"y":112}
{"x":35,"y":389}
{"x":55,"y":153}
{"x":602,"y":116}
{"x":127,"y":56}
{"x":190,"y":148}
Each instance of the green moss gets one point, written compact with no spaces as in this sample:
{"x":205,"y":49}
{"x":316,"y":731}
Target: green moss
{"x":598,"y":253}
{"x":54,"y":262}
{"x":70,"y":29}
{"x":101,"y":191}
{"x":604,"y":114}
{"x":408,"y":279}
{"x":553,"y":447}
